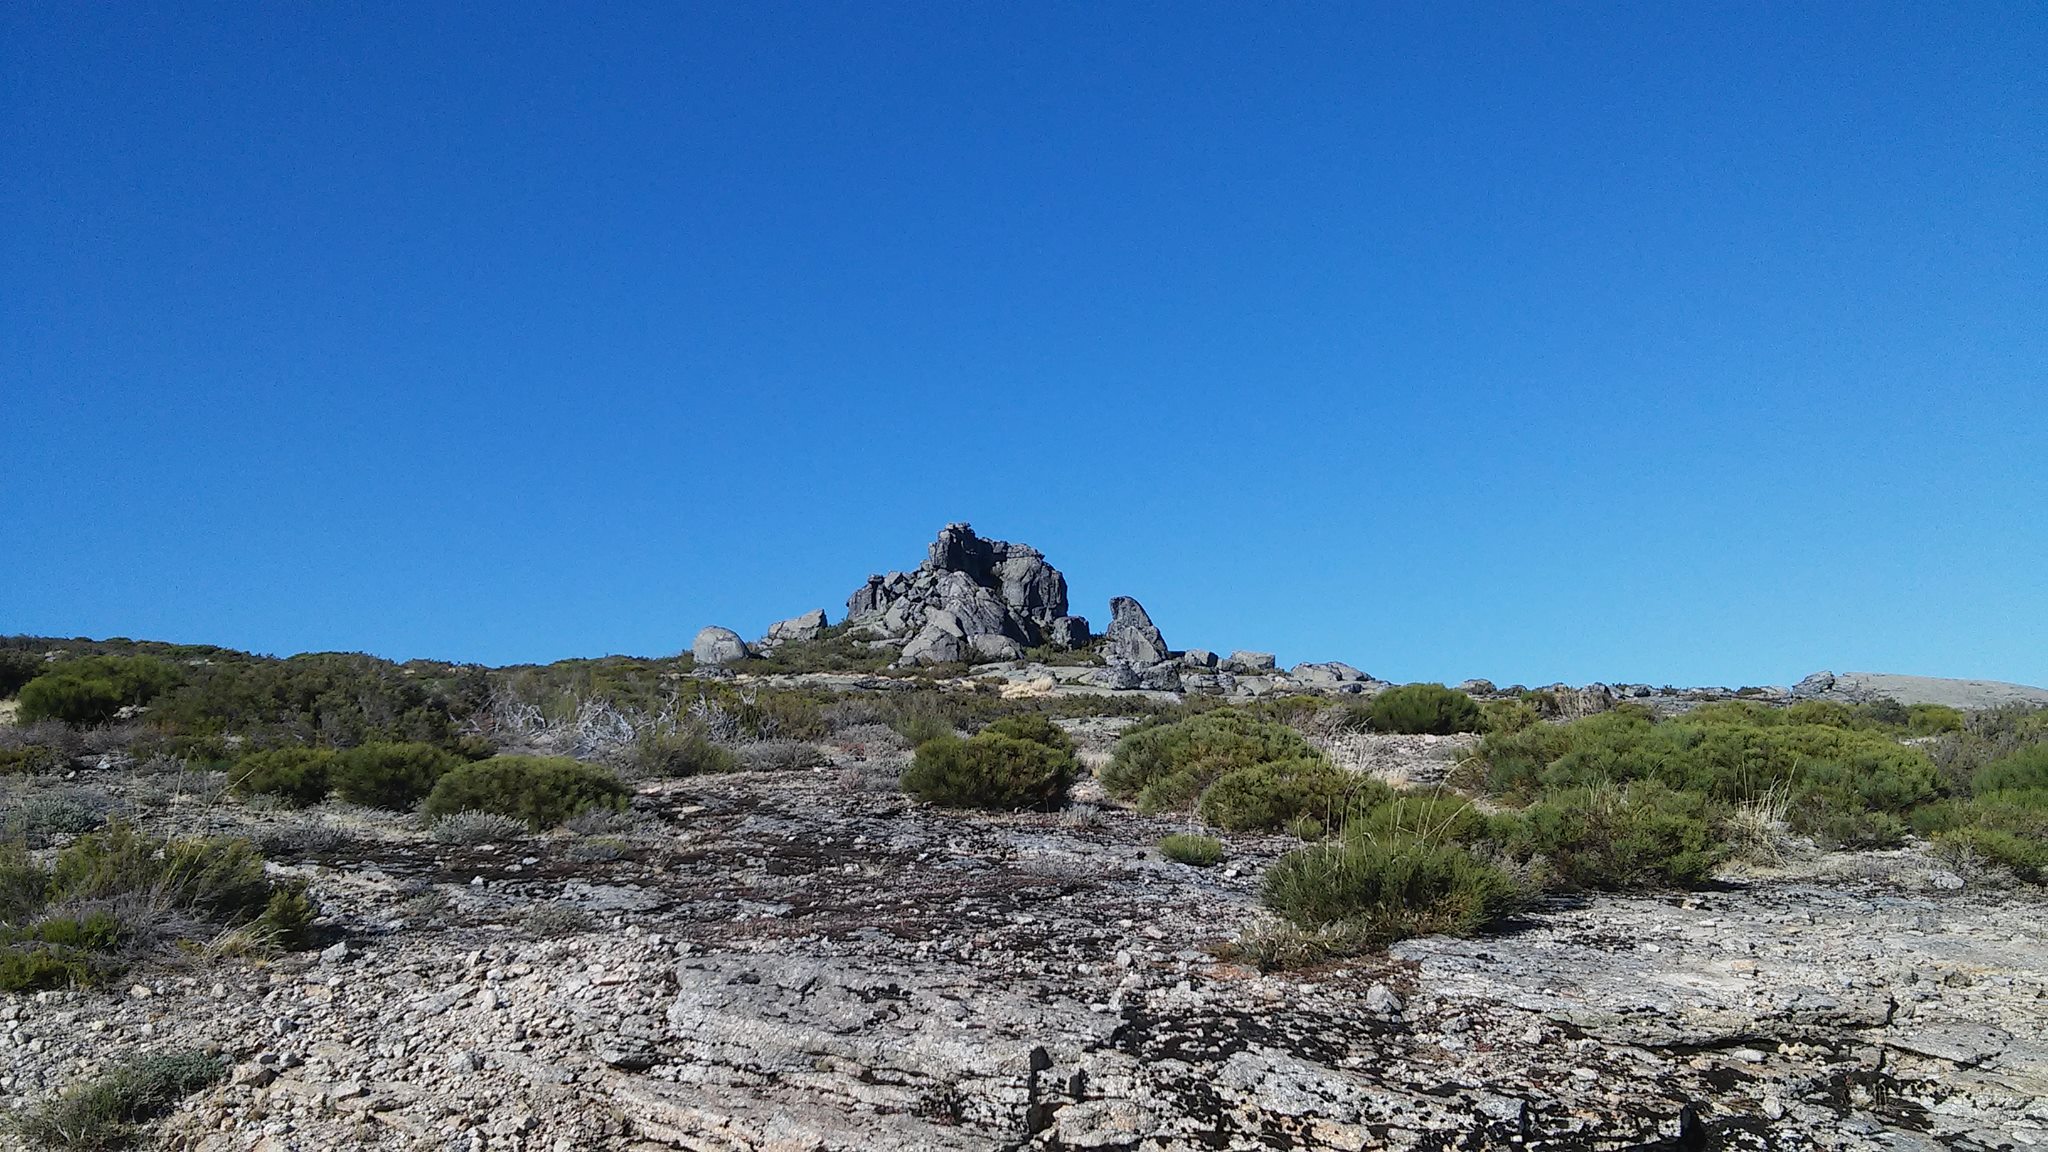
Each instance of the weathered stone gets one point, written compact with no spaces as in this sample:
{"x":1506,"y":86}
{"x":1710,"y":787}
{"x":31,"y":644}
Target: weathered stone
{"x":1327,"y":674}
{"x":805,"y":627}
{"x":995,"y":587}
{"x":715,"y":645}
{"x":988,"y":646}
{"x":934,"y":645}
{"x":1131,"y":636}
{"x":1068,"y":632}
{"x":1199,"y":658}
{"x":1251,"y":662}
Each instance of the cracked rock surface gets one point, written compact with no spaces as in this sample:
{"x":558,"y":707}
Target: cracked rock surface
{"x":802,"y":961}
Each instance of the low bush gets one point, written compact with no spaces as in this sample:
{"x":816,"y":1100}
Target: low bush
{"x":18,"y":667}
{"x":1643,"y":835}
{"x":33,"y":760}
{"x":989,"y":770}
{"x":394,"y":777}
{"x":541,"y":790}
{"x":110,"y":895}
{"x":1419,"y":709}
{"x":1929,"y":719}
{"x":684,"y":752}
{"x":1167,"y":766}
{"x":37,"y":817}
{"x":1506,"y":716}
{"x":1036,"y":727}
{"x":297,"y":776}
{"x":778,"y":756}
{"x":1267,"y":797}
{"x":1384,"y":889}
{"x":107,"y":1112}
{"x":1188,"y":848}
{"x":477,"y":828}
{"x":92,"y":689}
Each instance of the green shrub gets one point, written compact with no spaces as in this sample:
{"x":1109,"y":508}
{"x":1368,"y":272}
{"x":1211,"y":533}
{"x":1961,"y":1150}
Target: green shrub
{"x":1267,"y":797}
{"x":1415,"y":709}
{"x":541,"y":790}
{"x":390,"y":776}
{"x":1505,"y":716}
{"x":33,"y":760}
{"x":106,"y":1112}
{"x":683,"y":752}
{"x":2025,"y":769}
{"x":1432,"y":817}
{"x":298,"y":776}
{"x":1188,"y":848}
{"x":1643,"y":835}
{"x":1167,"y":766}
{"x":90,"y":690}
{"x":1386,"y":889}
{"x":1928,"y":719}
{"x":1036,"y":727}
{"x":989,"y":770}
{"x":18,"y":667}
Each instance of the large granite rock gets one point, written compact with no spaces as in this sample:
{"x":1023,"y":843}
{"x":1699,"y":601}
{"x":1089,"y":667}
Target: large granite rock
{"x":936,"y":644}
{"x":992,"y":588}
{"x":1131,"y":636}
{"x":808,"y":626}
{"x":714,"y":646}
{"x":1069,"y":632}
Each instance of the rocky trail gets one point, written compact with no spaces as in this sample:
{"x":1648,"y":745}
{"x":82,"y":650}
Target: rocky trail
{"x":808,"y":961}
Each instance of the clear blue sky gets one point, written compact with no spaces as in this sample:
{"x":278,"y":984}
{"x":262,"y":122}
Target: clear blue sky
{"x":1678,"y":343}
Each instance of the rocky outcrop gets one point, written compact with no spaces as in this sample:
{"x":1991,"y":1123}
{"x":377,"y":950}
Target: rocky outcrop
{"x":982,"y":588}
{"x":1328,"y":674}
{"x":808,"y":626}
{"x":1131,"y":636}
{"x":1069,"y":632}
{"x":715,"y":646}
{"x":1251,"y":663}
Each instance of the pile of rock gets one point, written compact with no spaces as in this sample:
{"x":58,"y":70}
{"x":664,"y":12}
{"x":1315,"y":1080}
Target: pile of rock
{"x":972,"y":599}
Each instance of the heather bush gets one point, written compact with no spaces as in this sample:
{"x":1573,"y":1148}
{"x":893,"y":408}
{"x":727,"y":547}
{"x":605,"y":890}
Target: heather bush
{"x":108,"y":1111}
{"x":990,"y":770}
{"x":394,"y":777}
{"x":297,"y":776}
{"x":1417,"y":709}
{"x":1642,"y":835}
{"x":1167,"y":766}
{"x":1381,"y":889}
{"x":686,"y":751}
{"x":92,"y":689}
{"x":1267,"y":797}
{"x":541,"y":790}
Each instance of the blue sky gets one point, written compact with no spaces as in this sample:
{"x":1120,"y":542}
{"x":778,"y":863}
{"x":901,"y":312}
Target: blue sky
{"x":1669,"y":343}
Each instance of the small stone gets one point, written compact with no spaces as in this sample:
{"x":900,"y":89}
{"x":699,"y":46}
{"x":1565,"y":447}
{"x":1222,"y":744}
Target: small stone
{"x":1383,"y":1000}
{"x":334,"y":953}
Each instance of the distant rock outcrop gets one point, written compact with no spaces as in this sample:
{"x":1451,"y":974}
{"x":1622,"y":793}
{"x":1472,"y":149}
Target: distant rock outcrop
{"x":714,"y":646}
{"x":968,"y":587}
{"x":808,"y":626}
{"x":1131,"y":637}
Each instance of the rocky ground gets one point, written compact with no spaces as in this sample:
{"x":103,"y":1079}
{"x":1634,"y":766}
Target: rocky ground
{"x":807,"y":960}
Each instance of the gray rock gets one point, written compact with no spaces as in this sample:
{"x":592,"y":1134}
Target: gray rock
{"x":1383,"y":1000}
{"x":805,"y":627}
{"x":1252,"y":662}
{"x":934,"y":645}
{"x":994,"y":586}
{"x":1476,"y":687}
{"x":1814,"y":685}
{"x":1131,"y":636}
{"x":715,"y":645}
{"x":1161,"y":677}
{"x":989,"y":646}
{"x":1068,"y":632}
{"x":1198,"y":658}
{"x":1117,"y":674}
{"x":1327,"y":674}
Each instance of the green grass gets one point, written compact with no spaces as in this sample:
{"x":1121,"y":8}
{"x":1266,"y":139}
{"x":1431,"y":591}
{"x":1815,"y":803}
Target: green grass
{"x":1190,"y":848}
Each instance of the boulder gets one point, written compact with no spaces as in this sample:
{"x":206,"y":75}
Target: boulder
{"x":934,"y":645}
{"x":1068,"y":632}
{"x":808,"y":626}
{"x":1328,"y":674}
{"x":994,"y":586}
{"x":1131,"y":636}
{"x":991,"y":646}
{"x":1476,"y":687}
{"x":1252,"y":662}
{"x":714,"y":646}
{"x":1198,"y":658}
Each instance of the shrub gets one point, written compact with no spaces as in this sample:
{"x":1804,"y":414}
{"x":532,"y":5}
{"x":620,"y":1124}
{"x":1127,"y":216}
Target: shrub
{"x":1415,"y":709}
{"x":2025,"y":769}
{"x":555,"y":918}
{"x":17,"y":668}
{"x":33,"y":760}
{"x":778,"y":756}
{"x":683,"y":752}
{"x":1266,"y":797}
{"x":106,"y":1112}
{"x":35,"y":818}
{"x":1188,"y":848}
{"x":1928,"y":719}
{"x":541,"y":790}
{"x":989,"y":770}
{"x":476,"y":828}
{"x":1505,"y":716}
{"x":90,"y":690}
{"x":1167,"y":766}
{"x":1641,"y":836}
{"x":390,"y":776}
{"x":1036,"y":727}
{"x":298,"y":776}
{"x":1386,"y":889}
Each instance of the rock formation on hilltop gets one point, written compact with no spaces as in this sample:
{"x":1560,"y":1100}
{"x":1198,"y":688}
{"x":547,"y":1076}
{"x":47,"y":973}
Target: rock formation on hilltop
{"x":985,"y":599}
